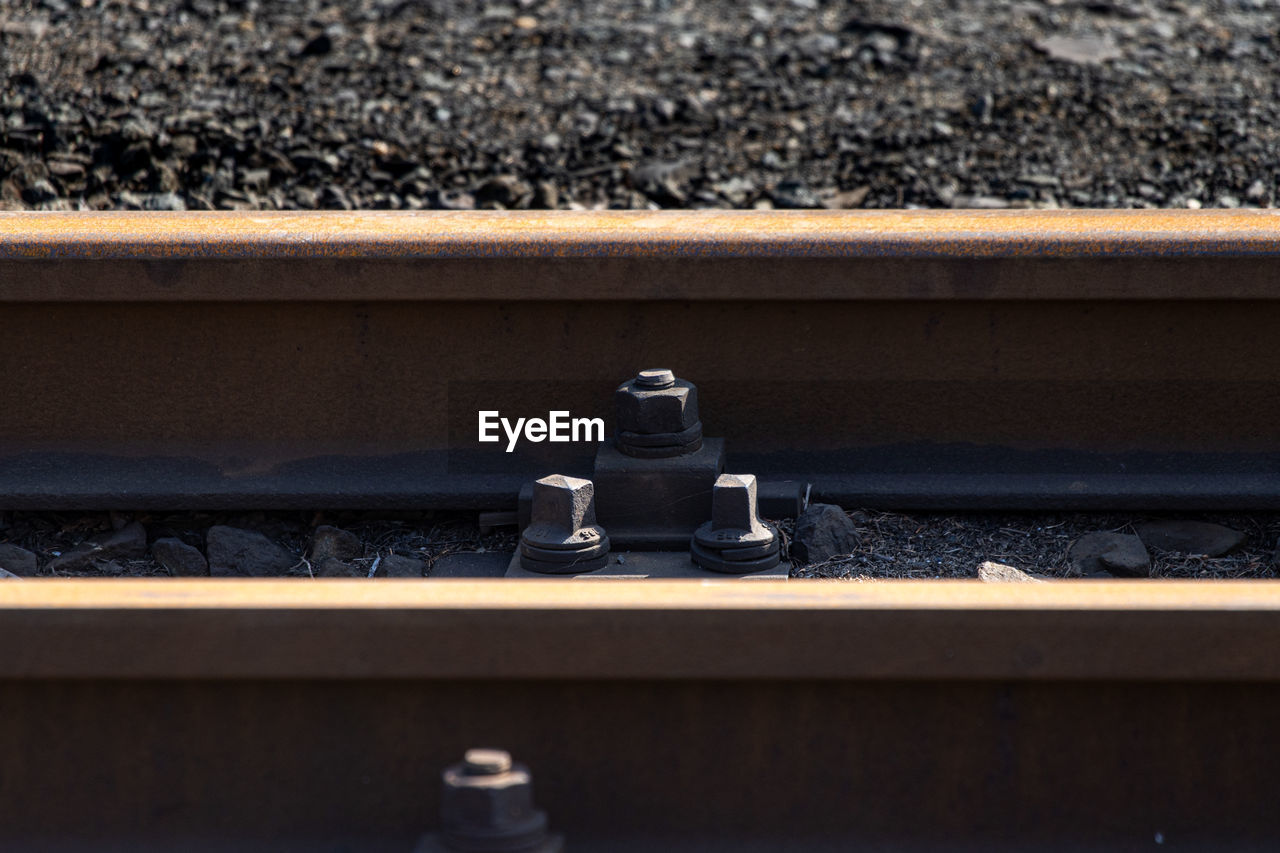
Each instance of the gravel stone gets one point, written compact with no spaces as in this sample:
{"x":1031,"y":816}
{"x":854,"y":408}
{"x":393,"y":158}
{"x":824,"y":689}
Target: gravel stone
{"x":179,"y":558}
{"x":17,"y":560}
{"x":332,"y":567}
{"x":990,"y":572}
{"x":1121,"y":554}
{"x":397,"y":566}
{"x":98,"y":552}
{"x":234,"y":552}
{"x":329,"y":541}
{"x":1191,"y":537}
{"x":997,"y":573}
{"x":823,"y":531}
{"x":1087,"y":49}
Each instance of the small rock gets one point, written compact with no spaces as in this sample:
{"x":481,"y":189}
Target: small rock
{"x":397,"y":566}
{"x":6,"y":575}
{"x":65,"y":169}
{"x":845,"y":200}
{"x":665,"y":181}
{"x":1086,"y":49}
{"x":978,"y":202}
{"x":452,"y":200}
{"x":982,"y":107}
{"x":793,"y":195}
{"x":234,"y":552}
{"x":547,"y":196}
{"x":1190,"y":537}
{"x":318,"y":46}
{"x":179,"y":558}
{"x":163,"y":201}
{"x":18,"y":561}
{"x":335,"y":542}
{"x":127,"y":543}
{"x":38,"y":192}
{"x":503,"y":192}
{"x":989,"y":572}
{"x":823,"y":531}
{"x":1121,"y":554}
{"x":332,"y":567}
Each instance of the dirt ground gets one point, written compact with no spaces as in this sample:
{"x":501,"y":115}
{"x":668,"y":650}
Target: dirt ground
{"x":173,"y":104}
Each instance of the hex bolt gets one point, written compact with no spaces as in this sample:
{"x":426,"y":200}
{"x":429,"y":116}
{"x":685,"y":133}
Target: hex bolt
{"x":735,"y":540}
{"x":657,"y":416}
{"x":562,"y":536}
{"x":486,"y":806}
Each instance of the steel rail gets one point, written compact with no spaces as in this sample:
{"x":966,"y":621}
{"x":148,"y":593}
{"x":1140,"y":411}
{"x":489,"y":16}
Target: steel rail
{"x":603,"y":255}
{"x":687,"y":716}
{"x":931,"y":359}
{"x":699,"y":630}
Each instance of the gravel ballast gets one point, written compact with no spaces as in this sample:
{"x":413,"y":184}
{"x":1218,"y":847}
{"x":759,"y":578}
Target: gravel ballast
{"x":409,"y":104}
{"x":881,"y":545}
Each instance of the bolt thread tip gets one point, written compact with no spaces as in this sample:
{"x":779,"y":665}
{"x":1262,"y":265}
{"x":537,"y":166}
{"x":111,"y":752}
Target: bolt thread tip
{"x":486,"y":762}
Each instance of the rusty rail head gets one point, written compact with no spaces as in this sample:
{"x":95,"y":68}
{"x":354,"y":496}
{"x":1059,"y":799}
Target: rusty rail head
{"x":616,"y":234}
{"x":753,"y":630}
{"x":630,"y":255}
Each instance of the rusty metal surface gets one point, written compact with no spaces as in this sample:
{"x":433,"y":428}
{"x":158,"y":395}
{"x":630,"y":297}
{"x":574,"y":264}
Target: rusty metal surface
{"x":912,"y":359}
{"x":680,"y":234}
{"x":692,"y":630}
{"x":816,"y":716}
{"x":611,"y":255}
{"x":651,"y":765}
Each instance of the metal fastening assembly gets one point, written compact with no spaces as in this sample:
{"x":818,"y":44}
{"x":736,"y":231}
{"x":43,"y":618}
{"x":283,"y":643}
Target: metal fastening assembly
{"x":654,"y":477}
{"x":651,"y":487}
{"x":657,"y":416}
{"x":562,"y":537}
{"x":486,"y":806}
{"x":735,"y":540}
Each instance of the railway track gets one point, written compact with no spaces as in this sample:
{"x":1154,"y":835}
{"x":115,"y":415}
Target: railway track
{"x":910,"y":360}
{"x":892,"y":359}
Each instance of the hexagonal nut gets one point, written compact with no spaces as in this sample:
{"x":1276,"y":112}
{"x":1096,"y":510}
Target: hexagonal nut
{"x":656,"y":410}
{"x":500,"y":803}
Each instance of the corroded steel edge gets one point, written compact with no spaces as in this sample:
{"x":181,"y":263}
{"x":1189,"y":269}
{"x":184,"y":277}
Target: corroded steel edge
{"x":719,"y":630}
{"x":666,"y":596}
{"x":638,"y":234}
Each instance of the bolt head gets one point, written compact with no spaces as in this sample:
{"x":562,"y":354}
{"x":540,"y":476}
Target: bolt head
{"x":566,"y":502}
{"x":563,"y":514}
{"x":649,"y":405}
{"x":735,"y":519}
{"x":733,"y":503}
